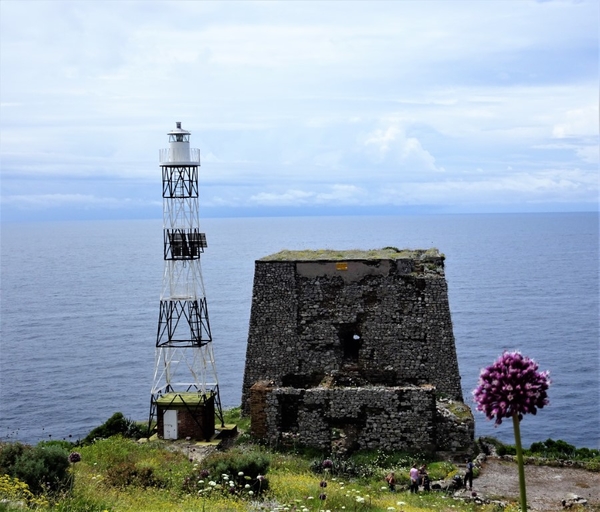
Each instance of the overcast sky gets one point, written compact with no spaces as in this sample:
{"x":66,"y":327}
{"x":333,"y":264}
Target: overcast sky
{"x":303,"y":107}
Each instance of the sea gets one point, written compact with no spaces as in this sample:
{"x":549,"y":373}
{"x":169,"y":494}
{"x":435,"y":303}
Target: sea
{"x":80,"y":302}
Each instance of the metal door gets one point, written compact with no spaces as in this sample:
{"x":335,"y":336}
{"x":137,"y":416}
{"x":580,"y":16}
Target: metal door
{"x":170,"y":424}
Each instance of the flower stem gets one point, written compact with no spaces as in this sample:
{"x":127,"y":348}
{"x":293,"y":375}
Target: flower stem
{"x":520,"y":464}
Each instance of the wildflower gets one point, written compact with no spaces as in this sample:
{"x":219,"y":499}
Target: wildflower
{"x":512,"y":387}
{"x":250,"y":493}
{"x":322,"y":496}
{"x":327,"y":464}
{"x":247,"y":486}
{"x":204,"y":473}
{"x":323,"y":483}
{"x":74,"y":457}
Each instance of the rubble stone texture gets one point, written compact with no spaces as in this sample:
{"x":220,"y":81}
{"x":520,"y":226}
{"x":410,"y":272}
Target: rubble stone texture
{"x":354,"y":349}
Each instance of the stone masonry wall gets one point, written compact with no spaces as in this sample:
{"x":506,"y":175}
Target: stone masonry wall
{"x":373,"y":335}
{"x":400,"y":418}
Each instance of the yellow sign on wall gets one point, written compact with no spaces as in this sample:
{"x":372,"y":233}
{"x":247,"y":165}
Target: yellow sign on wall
{"x":341,"y":266}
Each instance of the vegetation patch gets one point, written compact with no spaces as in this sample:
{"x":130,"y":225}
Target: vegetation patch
{"x":119,"y":474}
{"x":387,"y":253}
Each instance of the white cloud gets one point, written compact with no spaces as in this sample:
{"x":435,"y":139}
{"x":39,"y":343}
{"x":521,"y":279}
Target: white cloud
{"x":342,"y":194}
{"x":393,"y":146}
{"x":578,"y":122}
{"x":46,"y":201}
{"x":337,"y":194}
{"x":287,"y":198}
{"x":303,"y":103}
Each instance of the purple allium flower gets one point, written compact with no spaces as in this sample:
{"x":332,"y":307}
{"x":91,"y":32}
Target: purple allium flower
{"x":74,"y":457}
{"x":322,"y":496}
{"x":204,"y":473}
{"x":323,"y":483}
{"x":327,"y":464}
{"x":512,"y":385}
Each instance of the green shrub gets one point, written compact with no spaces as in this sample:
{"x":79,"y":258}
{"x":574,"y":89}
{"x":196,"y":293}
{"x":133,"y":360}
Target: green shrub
{"x":9,"y":453}
{"x":506,"y":449}
{"x":44,"y":468}
{"x":553,"y":449}
{"x":236,"y":472}
{"x":125,"y":474}
{"x":62,"y":443}
{"x":117,"y":424}
{"x":251,"y":463}
{"x":560,"y":449}
{"x":548,"y":449}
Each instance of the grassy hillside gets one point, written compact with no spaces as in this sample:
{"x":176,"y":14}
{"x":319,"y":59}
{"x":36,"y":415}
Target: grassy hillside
{"x":119,"y":474}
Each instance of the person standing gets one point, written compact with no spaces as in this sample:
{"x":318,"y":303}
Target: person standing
{"x":469,"y":474}
{"x":391,"y":480}
{"x":414,"y":479}
{"x":424,"y":478}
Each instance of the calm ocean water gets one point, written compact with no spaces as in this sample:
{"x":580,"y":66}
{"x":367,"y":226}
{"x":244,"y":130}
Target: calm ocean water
{"x":80,"y":303}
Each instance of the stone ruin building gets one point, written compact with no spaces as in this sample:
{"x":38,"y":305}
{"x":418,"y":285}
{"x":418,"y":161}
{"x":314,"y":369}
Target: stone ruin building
{"x":352,"y":350}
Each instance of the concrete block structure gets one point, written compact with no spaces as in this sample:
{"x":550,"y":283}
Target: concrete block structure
{"x":354,"y":349}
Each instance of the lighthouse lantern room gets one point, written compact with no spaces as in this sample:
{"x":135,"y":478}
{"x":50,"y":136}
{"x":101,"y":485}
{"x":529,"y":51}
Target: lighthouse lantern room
{"x":185,"y":393}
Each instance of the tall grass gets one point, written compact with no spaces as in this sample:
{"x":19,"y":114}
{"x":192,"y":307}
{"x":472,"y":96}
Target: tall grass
{"x":121,"y":475}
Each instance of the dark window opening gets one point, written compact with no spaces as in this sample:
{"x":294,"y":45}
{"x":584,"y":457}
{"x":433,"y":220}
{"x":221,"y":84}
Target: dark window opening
{"x":351,"y":341}
{"x":289,"y":414}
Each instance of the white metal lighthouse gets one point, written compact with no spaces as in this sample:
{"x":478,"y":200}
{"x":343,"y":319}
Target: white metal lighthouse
{"x":185,"y":393}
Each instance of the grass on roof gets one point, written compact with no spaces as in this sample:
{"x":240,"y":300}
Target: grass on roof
{"x":386,"y":253}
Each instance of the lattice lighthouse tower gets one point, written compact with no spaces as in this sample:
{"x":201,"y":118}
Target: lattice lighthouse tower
{"x":185,"y":394}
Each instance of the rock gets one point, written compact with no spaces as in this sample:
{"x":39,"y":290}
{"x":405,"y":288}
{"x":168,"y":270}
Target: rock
{"x":572,"y":499}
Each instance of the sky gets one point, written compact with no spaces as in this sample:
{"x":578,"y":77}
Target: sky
{"x":300,"y":108}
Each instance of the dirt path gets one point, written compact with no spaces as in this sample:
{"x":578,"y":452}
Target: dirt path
{"x":546,"y":486}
